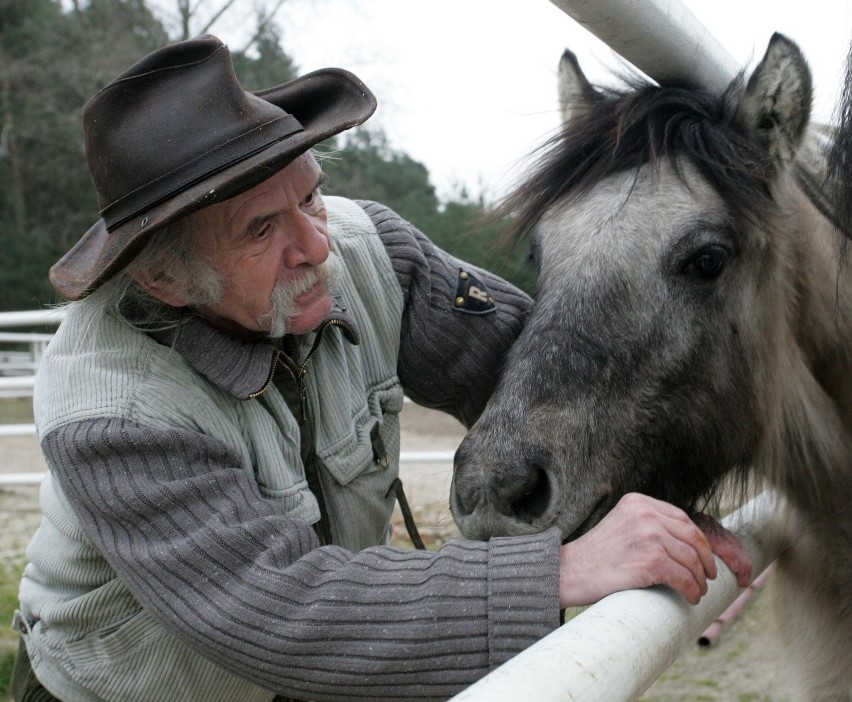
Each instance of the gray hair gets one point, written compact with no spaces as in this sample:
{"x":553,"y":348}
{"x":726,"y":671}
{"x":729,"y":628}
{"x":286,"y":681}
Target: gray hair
{"x":168,"y":256}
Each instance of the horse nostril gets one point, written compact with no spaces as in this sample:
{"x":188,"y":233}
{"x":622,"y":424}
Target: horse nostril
{"x":463,"y":500}
{"x":533,"y":503}
{"x":515,"y":484}
{"x":526,"y":501}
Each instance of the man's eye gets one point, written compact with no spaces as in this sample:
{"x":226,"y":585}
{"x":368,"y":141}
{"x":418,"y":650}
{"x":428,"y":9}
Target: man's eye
{"x":262,"y":233}
{"x":313,"y":200}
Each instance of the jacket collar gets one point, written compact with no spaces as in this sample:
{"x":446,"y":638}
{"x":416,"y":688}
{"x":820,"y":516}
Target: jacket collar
{"x":242,"y":368}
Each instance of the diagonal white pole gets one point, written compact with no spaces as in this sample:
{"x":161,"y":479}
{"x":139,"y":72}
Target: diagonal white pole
{"x":662,"y":38}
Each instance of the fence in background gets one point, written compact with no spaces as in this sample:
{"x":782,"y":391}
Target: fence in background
{"x":20,"y":352}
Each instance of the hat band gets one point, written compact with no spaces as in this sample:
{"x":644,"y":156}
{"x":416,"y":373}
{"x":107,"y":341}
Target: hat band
{"x":233,"y":151}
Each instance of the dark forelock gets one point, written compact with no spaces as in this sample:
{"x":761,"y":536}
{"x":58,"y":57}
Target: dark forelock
{"x":625,"y":129}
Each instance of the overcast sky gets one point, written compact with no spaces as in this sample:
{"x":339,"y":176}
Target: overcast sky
{"x":468,"y":86}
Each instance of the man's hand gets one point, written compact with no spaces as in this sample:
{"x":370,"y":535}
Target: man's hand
{"x":644,"y":542}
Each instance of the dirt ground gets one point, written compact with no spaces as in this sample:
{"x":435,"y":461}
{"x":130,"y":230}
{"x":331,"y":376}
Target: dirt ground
{"x":743,"y":666}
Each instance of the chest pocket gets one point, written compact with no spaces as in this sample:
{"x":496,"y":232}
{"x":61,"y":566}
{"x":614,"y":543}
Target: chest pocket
{"x":372,"y":440}
{"x":358,"y":475}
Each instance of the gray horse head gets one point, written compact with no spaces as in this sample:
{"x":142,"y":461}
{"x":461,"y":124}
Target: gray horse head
{"x":671,"y":337}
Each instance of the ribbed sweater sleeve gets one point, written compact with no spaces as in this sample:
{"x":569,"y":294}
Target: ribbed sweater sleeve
{"x":183,"y":525}
{"x":449,"y":360}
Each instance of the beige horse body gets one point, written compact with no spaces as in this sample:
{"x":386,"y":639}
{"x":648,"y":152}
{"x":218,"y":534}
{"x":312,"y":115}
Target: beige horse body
{"x":693,"y":323}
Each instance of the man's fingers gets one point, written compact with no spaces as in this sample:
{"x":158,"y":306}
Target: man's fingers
{"x":691,"y":557}
{"x":691,"y":590}
{"x":692,"y":537}
{"x":683,"y":579}
{"x":728,"y":547}
{"x":736,"y":557}
{"x":645,"y":541}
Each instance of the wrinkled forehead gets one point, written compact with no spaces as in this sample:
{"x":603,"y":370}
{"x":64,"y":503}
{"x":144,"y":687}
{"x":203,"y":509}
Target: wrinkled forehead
{"x":230,"y":224}
{"x":627,"y":218}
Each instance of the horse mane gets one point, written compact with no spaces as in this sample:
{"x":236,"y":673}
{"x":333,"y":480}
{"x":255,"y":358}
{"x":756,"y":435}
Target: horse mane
{"x":839,"y":164}
{"x":624,"y":129}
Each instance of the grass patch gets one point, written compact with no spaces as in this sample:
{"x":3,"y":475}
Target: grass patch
{"x":7,"y":663}
{"x":736,"y":651}
{"x":10,"y":577}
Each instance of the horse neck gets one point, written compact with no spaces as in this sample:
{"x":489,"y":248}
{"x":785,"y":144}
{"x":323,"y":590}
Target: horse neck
{"x":822,"y":314}
{"x":811,"y":458}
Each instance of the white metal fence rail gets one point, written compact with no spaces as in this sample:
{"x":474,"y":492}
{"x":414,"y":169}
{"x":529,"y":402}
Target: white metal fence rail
{"x":616,"y":649}
{"x":662,"y":38}
{"x":20,"y":352}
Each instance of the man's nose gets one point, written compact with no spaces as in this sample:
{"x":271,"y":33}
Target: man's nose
{"x":309,"y":245}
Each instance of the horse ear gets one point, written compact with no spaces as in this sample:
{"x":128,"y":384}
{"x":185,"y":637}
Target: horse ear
{"x":776,"y":105}
{"x":575,"y":91}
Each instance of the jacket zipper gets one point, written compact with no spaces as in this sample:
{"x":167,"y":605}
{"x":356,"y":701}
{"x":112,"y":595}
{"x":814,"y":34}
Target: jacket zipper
{"x":299,"y":372}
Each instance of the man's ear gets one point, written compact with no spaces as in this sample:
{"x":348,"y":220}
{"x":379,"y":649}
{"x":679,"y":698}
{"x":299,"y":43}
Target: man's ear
{"x":162,"y":287}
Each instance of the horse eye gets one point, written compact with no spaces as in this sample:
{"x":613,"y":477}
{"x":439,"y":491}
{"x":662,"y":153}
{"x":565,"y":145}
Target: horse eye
{"x":709,"y":262}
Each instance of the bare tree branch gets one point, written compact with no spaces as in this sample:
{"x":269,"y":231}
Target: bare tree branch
{"x":184,"y":15}
{"x":224,"y":8}
{"x":262,"y":23}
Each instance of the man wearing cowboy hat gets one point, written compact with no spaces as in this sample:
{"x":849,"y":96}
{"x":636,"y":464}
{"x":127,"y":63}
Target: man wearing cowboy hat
{"x":219,"y":412}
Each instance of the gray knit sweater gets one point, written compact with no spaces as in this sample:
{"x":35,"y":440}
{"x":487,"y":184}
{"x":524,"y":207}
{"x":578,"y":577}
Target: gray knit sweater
{"x":170,"y":565}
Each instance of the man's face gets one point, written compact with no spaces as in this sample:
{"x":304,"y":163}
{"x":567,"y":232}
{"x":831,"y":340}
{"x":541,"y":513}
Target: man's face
{"x":266,"y":243}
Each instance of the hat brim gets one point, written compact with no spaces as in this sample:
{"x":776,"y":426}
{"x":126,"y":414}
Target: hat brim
{"x":326,"y":102}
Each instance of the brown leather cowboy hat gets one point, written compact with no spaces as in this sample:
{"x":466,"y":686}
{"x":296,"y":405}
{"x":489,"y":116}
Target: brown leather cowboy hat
{"x":176,"y":132}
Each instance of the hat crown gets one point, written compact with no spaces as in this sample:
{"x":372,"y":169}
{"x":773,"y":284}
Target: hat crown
{"x":173,"y":118}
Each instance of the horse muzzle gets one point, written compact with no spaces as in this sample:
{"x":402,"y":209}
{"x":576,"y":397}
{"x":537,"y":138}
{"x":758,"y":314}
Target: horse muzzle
{"x":505,"y":498}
